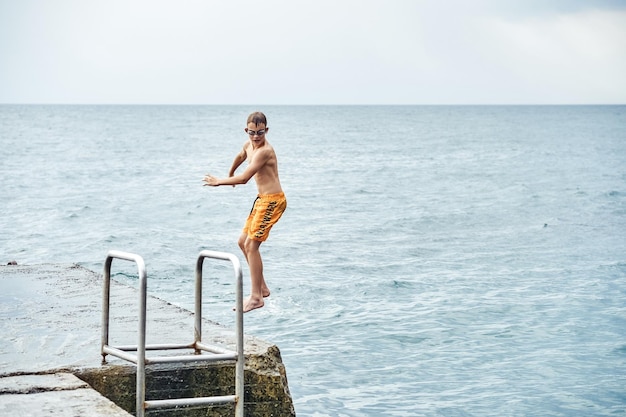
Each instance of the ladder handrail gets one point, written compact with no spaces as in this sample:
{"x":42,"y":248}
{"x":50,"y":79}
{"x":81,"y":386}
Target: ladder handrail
{"x":140,"y":359}
{"x":239,"y":370}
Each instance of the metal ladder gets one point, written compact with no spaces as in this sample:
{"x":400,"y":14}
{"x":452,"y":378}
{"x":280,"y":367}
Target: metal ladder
{"x":214,"y":353}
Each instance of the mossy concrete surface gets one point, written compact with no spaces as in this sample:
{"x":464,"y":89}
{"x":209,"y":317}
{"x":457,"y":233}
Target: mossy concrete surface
{"x":51,"y":322}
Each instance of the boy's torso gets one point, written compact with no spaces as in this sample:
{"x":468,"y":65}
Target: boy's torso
{"x":266,"y":178}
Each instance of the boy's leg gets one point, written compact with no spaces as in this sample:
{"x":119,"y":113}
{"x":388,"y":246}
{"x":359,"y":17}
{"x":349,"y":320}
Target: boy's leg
{"x":265,"y":291}
{"x":265,"y":212}
{"x":242,"y":244}
{"x":253,"y":255}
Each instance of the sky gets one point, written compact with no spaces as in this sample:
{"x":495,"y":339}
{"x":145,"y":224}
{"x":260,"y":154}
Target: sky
{"x":297,"y":52}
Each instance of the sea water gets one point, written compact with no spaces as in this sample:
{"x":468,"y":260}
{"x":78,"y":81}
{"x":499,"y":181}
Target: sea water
{"x":432,"y":261}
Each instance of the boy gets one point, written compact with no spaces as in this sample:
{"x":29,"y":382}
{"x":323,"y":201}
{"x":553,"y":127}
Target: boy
{"x":268,"y":206}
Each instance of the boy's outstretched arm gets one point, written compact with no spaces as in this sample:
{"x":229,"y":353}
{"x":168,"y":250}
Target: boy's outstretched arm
{"x":256,"y":163}
{"x":239,"y":159}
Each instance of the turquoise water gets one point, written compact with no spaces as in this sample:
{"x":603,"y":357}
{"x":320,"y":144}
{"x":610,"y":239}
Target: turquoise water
{"x":433,"y":261}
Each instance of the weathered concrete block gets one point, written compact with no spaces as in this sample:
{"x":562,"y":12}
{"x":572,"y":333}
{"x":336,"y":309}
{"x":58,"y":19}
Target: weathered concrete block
{"x":266,"y":391}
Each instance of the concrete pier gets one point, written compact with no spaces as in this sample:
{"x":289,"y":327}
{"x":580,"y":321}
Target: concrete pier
{"x":50,"y":332}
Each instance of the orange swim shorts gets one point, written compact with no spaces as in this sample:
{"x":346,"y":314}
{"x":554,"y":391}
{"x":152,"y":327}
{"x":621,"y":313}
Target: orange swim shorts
{"x":266,"y":211}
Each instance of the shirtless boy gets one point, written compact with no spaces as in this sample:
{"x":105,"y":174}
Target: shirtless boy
{"x":268,"y":206}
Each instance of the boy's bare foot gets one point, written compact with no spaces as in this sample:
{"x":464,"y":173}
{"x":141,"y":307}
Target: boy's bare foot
{"x":252,"y":303}
{"x":266,"y":292}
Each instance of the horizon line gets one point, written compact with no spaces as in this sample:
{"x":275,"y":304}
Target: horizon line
{"x":310,"y":105}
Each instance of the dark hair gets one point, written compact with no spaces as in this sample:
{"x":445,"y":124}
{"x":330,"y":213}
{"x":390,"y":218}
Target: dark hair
{"x":257,"y":118}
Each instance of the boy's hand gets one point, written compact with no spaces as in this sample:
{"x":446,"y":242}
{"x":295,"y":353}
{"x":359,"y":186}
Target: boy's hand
{"x":210,"y":180}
